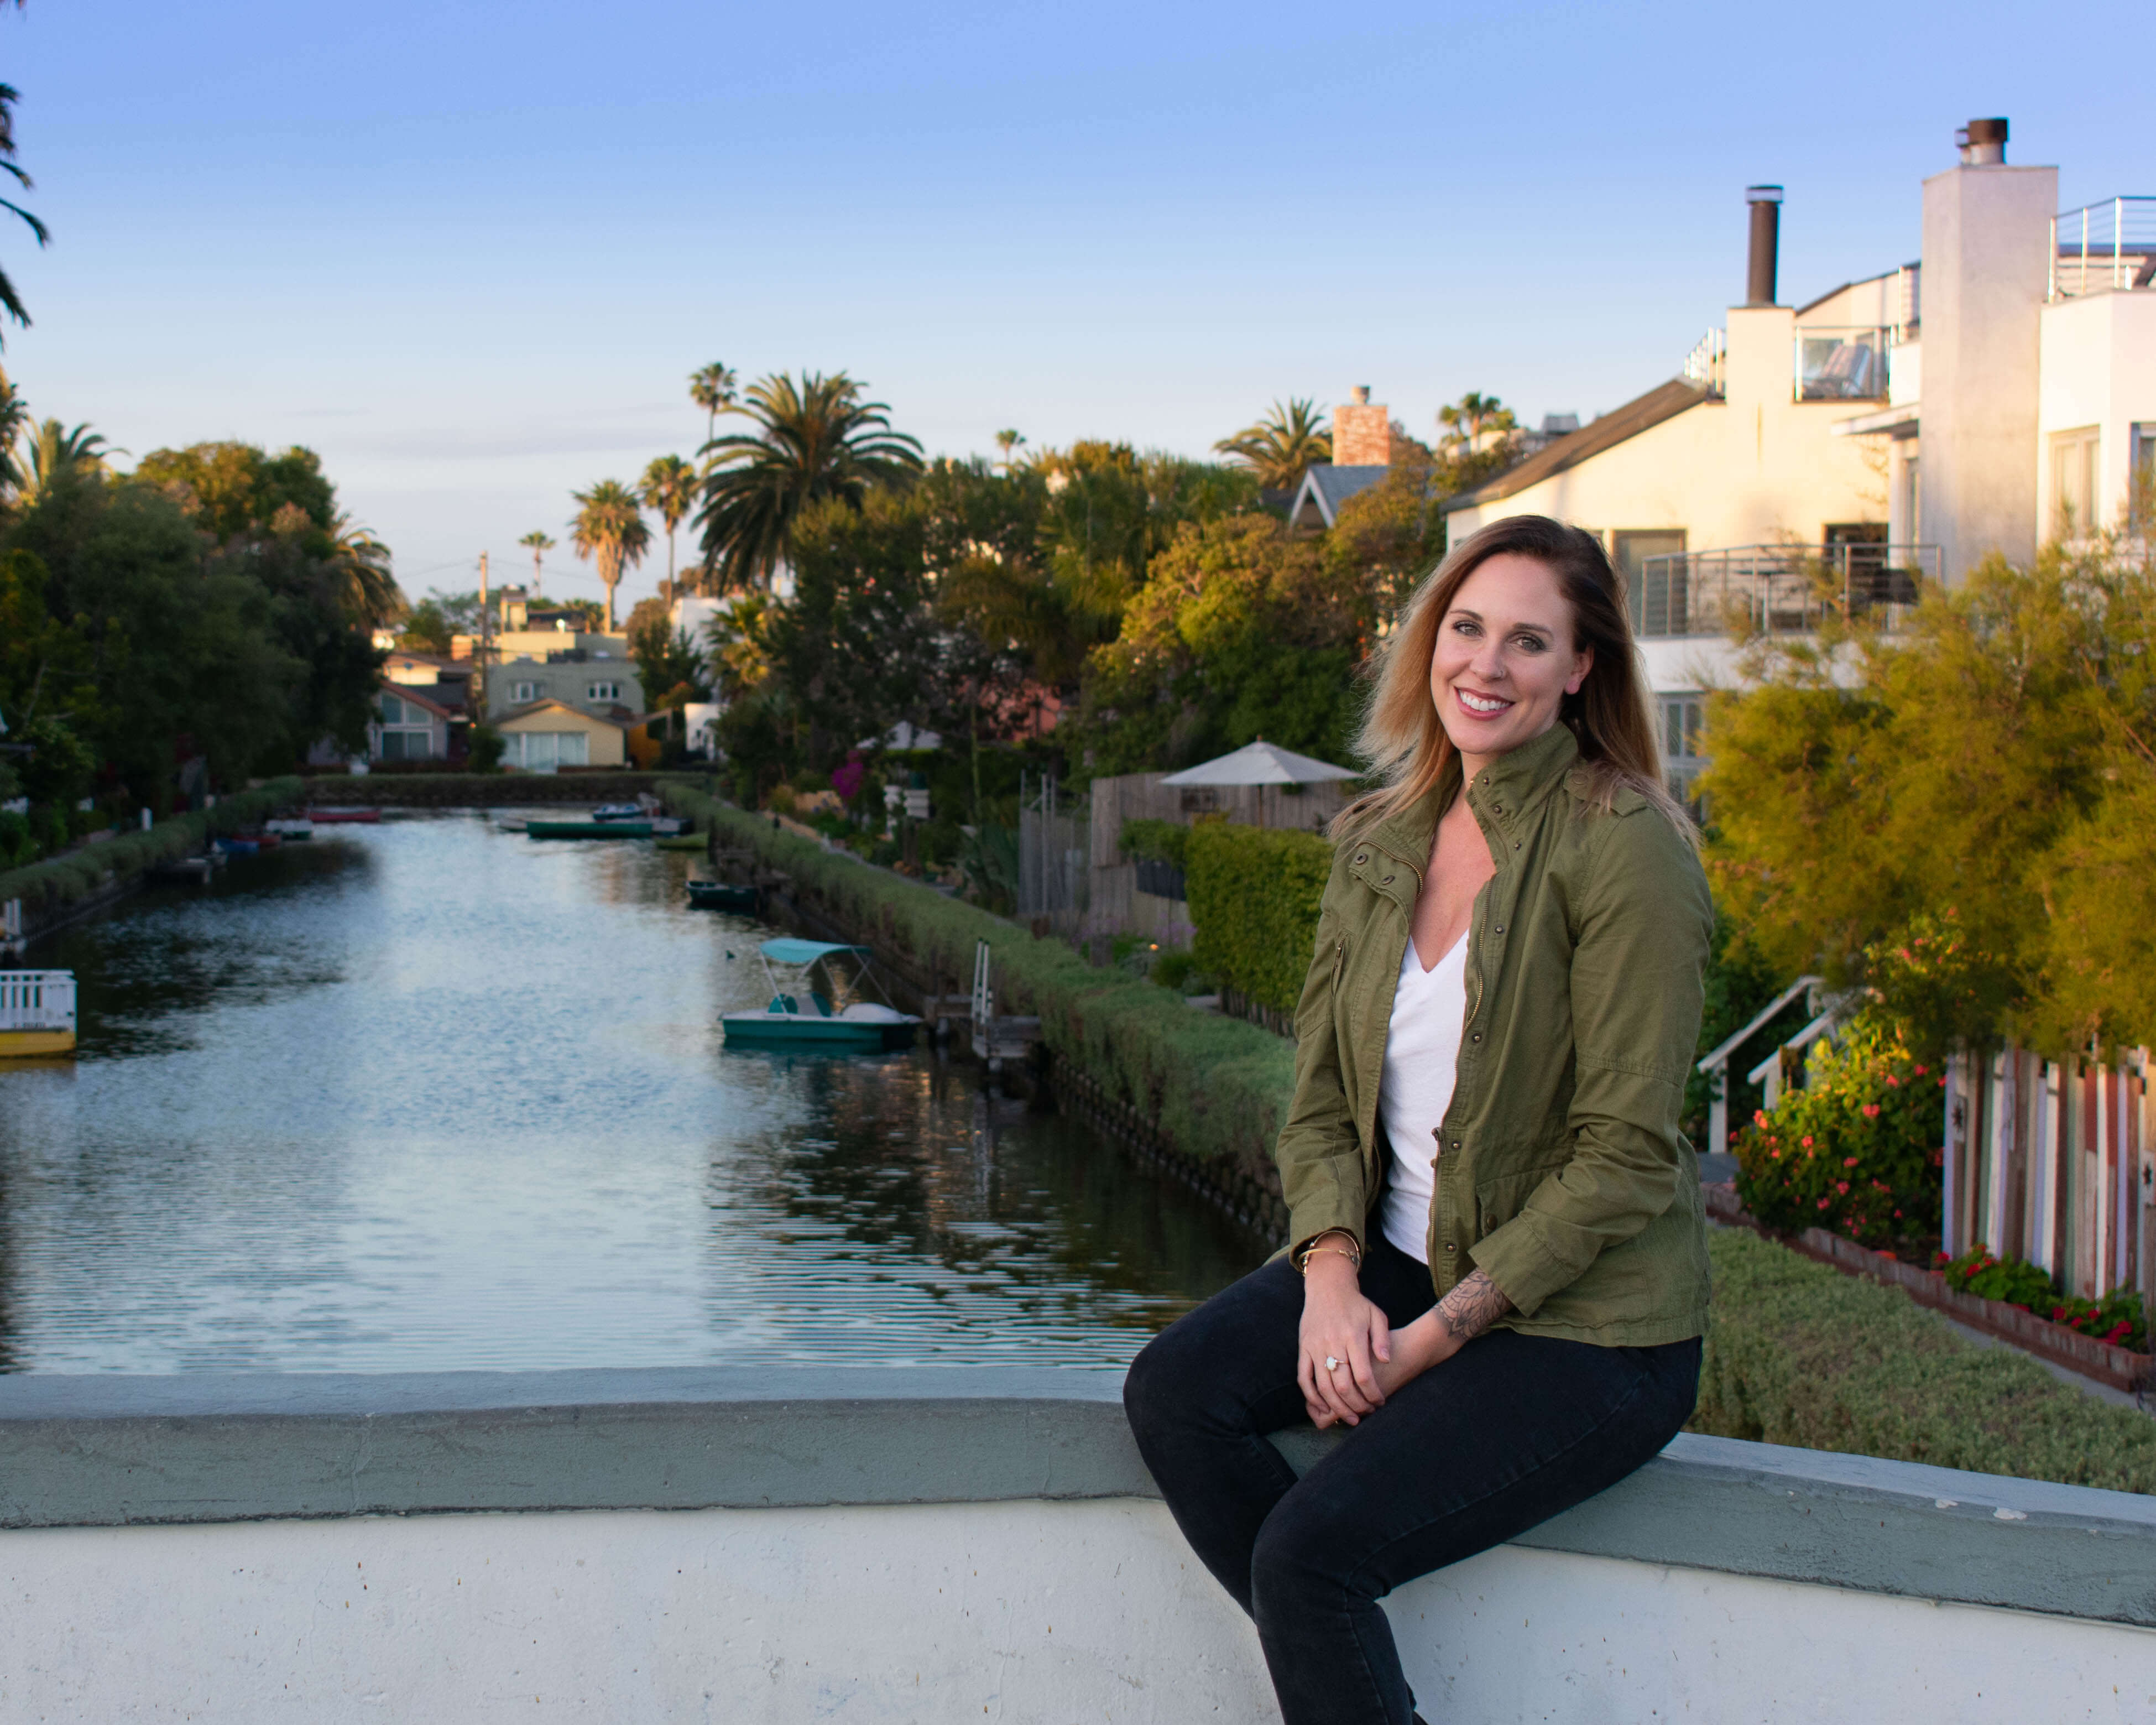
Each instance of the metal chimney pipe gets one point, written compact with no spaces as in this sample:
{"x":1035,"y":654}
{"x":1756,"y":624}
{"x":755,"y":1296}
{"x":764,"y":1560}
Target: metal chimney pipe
{"x":1766,"y":202}
{"x":1983,"y":143}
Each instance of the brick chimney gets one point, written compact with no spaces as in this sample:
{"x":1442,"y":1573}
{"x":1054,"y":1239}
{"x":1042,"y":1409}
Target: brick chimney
{"x":1362,"y":433}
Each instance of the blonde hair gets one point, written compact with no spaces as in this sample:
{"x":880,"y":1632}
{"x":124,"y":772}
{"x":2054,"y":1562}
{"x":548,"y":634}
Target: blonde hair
{"x":1404,"y":741}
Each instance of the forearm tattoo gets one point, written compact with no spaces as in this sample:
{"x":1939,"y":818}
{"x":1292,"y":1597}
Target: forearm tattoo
{"x":1473,"y":1305}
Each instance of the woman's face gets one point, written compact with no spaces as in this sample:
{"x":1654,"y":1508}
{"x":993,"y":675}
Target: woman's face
{"x":1505,"y":658}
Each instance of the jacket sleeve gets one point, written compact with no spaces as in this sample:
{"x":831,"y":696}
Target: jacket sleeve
{"x":1320,"y":1162}
{"x":1638,"y":970}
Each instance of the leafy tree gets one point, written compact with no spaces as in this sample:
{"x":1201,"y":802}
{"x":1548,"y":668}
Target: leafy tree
{"x":538,"y":544}
{"x":713,"y":388}
{"x":610,"y":529}
{"x":668,"y":489}
{"x":816,"y":439}
{"x":1988,"y":769}
{"x":1008,"y":443}
{"x":10,"y":301}
{"x":231,"y":488}
{"x":1280,"y":446}
{"x":669,"y":663}
{"x":14,"y":422}
{"x":427,"y":629}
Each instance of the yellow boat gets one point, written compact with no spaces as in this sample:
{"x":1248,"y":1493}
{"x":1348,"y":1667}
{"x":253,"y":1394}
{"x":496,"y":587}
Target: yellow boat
{"x":36,"y":1013}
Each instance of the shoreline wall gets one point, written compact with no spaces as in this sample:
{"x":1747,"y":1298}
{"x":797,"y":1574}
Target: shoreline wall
{"x":59,"y":890}
{"x":925,"y":1543}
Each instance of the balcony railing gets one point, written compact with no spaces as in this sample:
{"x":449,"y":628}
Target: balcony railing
{"x":1707,"y":363}
{"x":1779,"y":590}
{"x":2101,"y":247}
{"x":1842,"y":364}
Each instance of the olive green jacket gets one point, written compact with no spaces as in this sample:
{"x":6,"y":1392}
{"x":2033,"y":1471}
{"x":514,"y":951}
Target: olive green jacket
{"x":1564,"y":1173}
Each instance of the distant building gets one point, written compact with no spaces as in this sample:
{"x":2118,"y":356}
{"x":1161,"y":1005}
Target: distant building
{"x":548,"y":735}
{"x":409,"y":724}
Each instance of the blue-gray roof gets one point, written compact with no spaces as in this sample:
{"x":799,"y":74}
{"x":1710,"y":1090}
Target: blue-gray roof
{"x":1328,"y":487}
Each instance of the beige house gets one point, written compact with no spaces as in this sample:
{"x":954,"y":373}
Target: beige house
{"x":549,"y":735}
{"x":1898,"y":429}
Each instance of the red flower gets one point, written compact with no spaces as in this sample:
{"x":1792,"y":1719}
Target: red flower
{"x":1893,"y":1080}
{"x":1869,"y":1110}
{"x":1842,"y":1185}
{"x":1848,"y":1162}
{"x":1823,"y":1203}
{"x":1921,"y":1071}
{"x":1808,"y":1143}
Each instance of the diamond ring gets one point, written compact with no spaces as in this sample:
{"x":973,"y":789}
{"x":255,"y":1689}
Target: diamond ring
{"x":1330,"y":1363}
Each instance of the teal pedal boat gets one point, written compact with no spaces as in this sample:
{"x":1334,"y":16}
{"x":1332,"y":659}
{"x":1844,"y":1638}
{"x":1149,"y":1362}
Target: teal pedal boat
{"x":833,"y":1022}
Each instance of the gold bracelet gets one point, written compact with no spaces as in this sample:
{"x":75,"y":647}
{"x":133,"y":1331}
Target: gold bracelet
{"x":1316,"y":1246}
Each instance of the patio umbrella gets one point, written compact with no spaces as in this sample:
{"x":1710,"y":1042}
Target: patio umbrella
{"x":1260,"y":763}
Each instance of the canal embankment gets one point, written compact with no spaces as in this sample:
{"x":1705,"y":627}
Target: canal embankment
{"x":776,"y":1543}
{"x":60,"y":889}
{"x":477,"y":790}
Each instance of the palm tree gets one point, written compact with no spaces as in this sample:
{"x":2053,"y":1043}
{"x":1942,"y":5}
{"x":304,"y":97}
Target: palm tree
{"x":1010,"y":442}
{"x":10,"y":301}
{"x":370,"y":592}
{"x":1280,"y":446}
{"x":1474,"y":416}
{"x":712,"y":389}
{"x":668,"y":488}
{"x":14,"y":420}
{"x":539,"y":545}
{"x":815,"y":438}
{"x":610,"y":529}
{"x":59,"y":456}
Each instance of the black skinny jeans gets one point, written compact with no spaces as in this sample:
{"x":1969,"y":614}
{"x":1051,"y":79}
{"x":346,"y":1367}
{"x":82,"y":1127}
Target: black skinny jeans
{"x":1510,"y":1431}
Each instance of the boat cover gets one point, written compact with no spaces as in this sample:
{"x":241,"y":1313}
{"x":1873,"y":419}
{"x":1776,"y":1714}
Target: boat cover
{"x":786,"y":950}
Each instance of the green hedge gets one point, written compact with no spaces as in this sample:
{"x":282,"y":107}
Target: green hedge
{"x":1217,"y":1088}
{"x":1254,"y":894}
{"x":48,"y":888}
{"x":1156,"y":840}
{"x":1799,"y":1353}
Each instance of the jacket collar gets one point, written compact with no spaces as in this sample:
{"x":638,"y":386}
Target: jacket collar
{"x":1505,"y":789}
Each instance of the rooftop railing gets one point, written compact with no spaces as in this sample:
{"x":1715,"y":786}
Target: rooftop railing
{"x":1706,"y":364}
{"x":2103,"y":247}
{"x":1779,"y":590}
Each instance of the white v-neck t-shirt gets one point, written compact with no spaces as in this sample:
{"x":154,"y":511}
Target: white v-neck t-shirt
{"x":1422,"y":1061}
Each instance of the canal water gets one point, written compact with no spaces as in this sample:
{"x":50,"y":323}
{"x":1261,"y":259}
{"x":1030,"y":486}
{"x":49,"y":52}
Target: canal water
{"x":432,"y":1094}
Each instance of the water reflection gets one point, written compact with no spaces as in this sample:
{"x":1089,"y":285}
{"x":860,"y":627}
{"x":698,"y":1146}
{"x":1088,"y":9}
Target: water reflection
{"x":431,"y":1095}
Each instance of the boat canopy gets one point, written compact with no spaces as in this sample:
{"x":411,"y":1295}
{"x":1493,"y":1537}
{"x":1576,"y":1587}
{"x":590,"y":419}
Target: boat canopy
{"x":786,"y":950}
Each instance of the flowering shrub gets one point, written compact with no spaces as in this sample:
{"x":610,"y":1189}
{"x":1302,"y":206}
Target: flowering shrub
{"x":2120,"y":1317}
{"x":1858,"y":1150}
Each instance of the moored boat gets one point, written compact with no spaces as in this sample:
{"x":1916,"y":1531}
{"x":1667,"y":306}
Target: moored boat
{"x":721,"y":896}
{"x":289,"y":830}
{"x":235,"y":847}
{"x":368,"y":817}
{"x":36,"y":1013}
{"x":650,"y":829}
{"x":834,"y":1022}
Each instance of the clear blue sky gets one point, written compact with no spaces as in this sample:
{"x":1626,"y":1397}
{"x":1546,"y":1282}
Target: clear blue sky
{"x":470,"y":253}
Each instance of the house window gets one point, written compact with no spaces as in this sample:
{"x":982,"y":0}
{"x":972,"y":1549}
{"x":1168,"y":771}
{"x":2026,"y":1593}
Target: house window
{"x":2074,"y":493}
{"x":1684,"y":717}
{"x":1659,"y":593}
{"x":2141,"y":478}
{"x":546,"y":751}
{"x":404,"y":730}
{"x":522,"y":692}
{"x":602,"y":691}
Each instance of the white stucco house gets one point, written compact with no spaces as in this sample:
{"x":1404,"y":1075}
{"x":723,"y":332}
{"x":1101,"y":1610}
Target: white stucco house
{"x":1997,"y":393}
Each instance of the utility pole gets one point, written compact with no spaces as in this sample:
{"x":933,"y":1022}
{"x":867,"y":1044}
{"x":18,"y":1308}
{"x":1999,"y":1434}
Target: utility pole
{"x":480,"y":647}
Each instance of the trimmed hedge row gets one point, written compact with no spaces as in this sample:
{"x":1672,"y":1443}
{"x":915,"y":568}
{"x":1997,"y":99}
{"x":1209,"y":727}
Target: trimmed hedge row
{"x":1799,"y":1353}
{"x":1254,"y":895}
{"x":1217,"y":1088}
{"x":49,"y":887}
{"x":477,"y":790}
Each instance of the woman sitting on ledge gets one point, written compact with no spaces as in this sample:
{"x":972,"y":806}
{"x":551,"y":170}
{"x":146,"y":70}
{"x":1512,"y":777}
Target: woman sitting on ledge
{"x":1498,"y":1273}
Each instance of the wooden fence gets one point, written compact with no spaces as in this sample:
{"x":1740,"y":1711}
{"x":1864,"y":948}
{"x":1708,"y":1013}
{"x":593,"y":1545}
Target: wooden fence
{"x":2054,"y":1161}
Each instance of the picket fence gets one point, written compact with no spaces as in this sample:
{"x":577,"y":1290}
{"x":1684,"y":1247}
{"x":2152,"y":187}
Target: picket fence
{"x":2054,"y":1161}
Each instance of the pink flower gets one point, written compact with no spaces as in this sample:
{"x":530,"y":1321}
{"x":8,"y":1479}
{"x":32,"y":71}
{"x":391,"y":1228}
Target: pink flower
{"x":1869,"y":1110}
{"x":1921,"y":1071}
{"x":1893,"y":1080}
{"x":1848,"y":1162}
{"x":1822,"y":1204}
{"x":1841,"y":1186}
{"x":1808,"y":1143}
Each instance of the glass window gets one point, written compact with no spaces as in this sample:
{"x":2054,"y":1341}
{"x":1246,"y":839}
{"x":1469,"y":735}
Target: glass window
{"x":576,"y":748}
{"x":2141,"y":478}
{"x":524,"y":691}
{"x":1682,"y":717}
{"x":603,"y":691}
{"x":393,"y":711}
{"x":1841,"y":365}
{"x":2074,"y":496}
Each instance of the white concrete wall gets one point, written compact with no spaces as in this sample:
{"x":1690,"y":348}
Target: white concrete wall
{"x":1025,"y":1610}
{"x":2098,"y":367}
{"x":1986,"y":245}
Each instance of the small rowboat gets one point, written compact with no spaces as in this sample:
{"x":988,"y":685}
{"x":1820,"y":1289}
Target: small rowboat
{"x":850,"y":1027}
{"x":618,"y":811}
{"x":719,"y":895}
{"x":367,"y":817}
{"x":289,"y":830}
{"x":236,"y":847}
{"x":262,"y":840}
